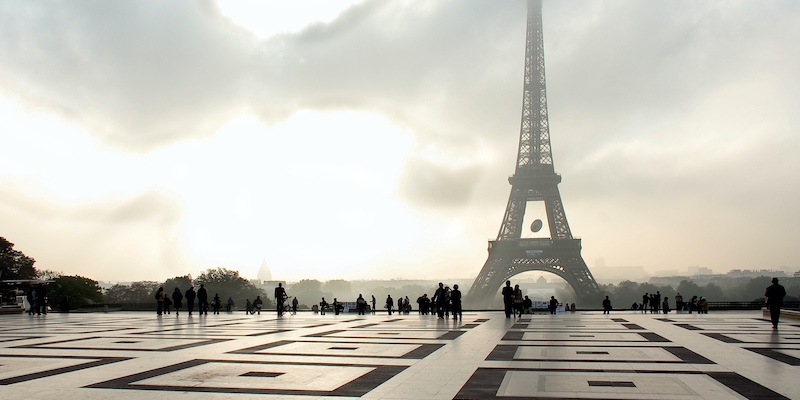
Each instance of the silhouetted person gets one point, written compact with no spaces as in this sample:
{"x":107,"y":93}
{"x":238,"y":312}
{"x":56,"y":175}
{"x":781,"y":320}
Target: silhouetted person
{"x":508,"y":298}
{"x":160,"y":300}
{"x":572,"y":308}
{"x":678,"y":302}
{"x":553,"y":304}
{"x":517,"y":301}
{"x":439,"y":298}
{"x":167,"y":303}
{"x":336,"y":306}
{"x":693,"y":304}
{"x":216,"y":303}
{"x":455,"y":300}
{"x":665,"y":305}
{"x":202,"y":300}
{"x":361,"y":305}
{"x":31,"y":297}
{"x":390,"y":304}
{"x":280,"y":298}
{"x":322,"y":306}
{"x":177,"y":300}
{"x":373,"y":304}
{"x":657,"y":299}
{"x":257,"y":305}
{"x":229,"y":304}
{"x":645,"y":302}
{"x":190,"y":296}
{"x":295,"y":303}
{"x":606,"y":306}
{"x":775,"y":294}
{"x":702,"y":305}
{"x":41,"y":299}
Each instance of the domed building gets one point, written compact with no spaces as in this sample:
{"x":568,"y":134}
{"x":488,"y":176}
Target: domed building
{"x":264,"y":274}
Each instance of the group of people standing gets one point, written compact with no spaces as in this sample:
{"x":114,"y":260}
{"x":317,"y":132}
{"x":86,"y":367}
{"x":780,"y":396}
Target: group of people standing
{"x":514,"y":303}
{"x":656,"y":304}
{"x":176,"y":301}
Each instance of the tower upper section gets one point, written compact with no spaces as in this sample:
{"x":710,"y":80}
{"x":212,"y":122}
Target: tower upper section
{"x":534,"y":156}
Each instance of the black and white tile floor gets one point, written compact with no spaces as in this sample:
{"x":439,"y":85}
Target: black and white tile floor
{"x":625,"y":355}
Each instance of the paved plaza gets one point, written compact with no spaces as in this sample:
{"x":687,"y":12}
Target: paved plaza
{"x":625,"y":355}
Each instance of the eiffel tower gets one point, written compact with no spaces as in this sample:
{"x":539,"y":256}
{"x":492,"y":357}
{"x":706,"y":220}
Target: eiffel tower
{"x":534,"y":180}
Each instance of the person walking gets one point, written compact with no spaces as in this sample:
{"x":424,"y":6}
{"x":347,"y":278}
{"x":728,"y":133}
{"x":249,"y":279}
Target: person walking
{"x":517,"y":301}
{"x":216,"y":303}
{"x":665,"y":305}
{"x":775,"y":294}
{"x":455,"y":300}
{"x":373,"y":304}
{"x":202,"y":300}
{"x":606,"y":306}
{"x":508,"y":298}
{"x":190,"y":295}
{"x":553,"y":305}
{"x":177,"y":300}
{"x":280,"y":298}
{"x":160,"y":300}
{"x":645,"y":302}
{"x":229,"y":304}
{"x":295,"y":303}
{"x":389,"y":303}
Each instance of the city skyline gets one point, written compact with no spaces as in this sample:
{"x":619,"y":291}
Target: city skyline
{"x":374,"y":140}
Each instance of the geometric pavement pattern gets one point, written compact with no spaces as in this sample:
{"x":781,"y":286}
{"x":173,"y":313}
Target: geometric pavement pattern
{"x":582,"y":355}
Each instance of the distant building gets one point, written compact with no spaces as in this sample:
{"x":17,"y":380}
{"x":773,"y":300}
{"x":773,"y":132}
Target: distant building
{"x":264,"y":274}
{"x":694,"y":270}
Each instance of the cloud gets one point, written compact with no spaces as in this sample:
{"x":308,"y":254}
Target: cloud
{"x":137,"y":74}
{"x":662,"y":113}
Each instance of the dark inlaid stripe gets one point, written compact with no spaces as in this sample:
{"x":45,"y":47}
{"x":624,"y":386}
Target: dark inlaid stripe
{"x":689,"y":327}
{"x":775,"y":355}
{"x":612,"y":383}
{"x":745,"y":387}
{"x":722,"y":338}
{"x":653,"y":337}
{"x":260,"y":374}
{"x":687,"y":355}
{"x":633,"y":327}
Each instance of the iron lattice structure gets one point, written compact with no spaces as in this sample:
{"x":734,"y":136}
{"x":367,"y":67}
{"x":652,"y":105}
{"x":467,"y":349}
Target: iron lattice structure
{"x":534,"y":180}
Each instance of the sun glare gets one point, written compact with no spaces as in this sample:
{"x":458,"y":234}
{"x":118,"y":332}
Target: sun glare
{"x":268,"y":18}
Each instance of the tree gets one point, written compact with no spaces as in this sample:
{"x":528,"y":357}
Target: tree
{"x":75,"y":290}
{"x":625,"y":294}
{"x":14,"y":264}
{"x":754,"y":290}
{"x":180,"y":282}
{"x":47,"y":275}
{"x":308,"y":291}
{"x":688,"y":289}
{"x":340,"y":289}
{"x":227,"y":283}
{"x":136,"y":292}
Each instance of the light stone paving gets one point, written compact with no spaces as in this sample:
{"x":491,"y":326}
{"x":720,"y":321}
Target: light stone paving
{"x":583,"y":355}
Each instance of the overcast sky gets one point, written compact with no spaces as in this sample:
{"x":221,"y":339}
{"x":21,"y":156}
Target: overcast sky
{"x":372,"y":139}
